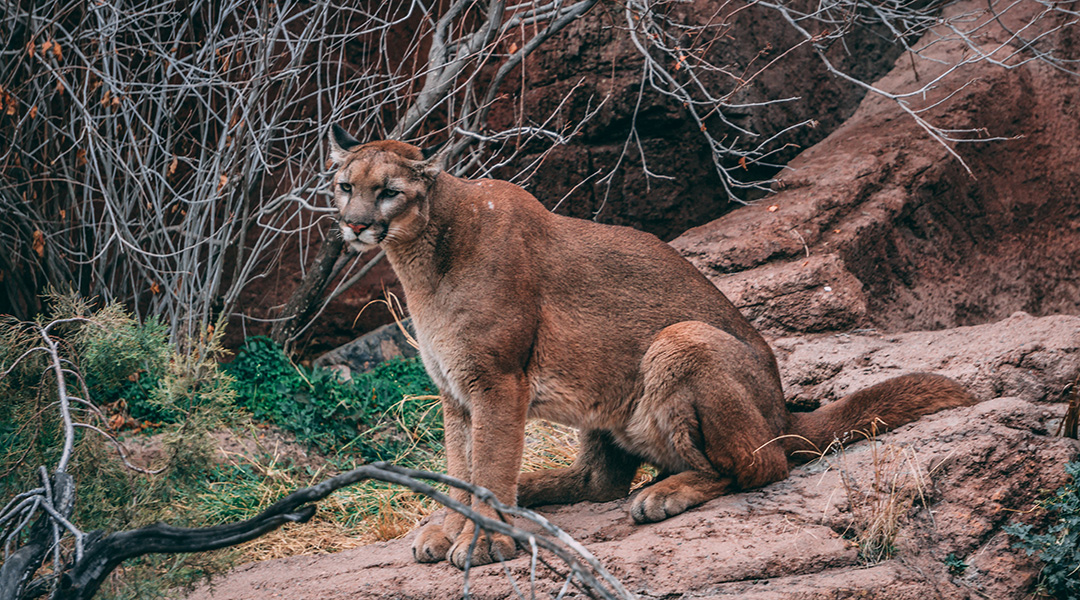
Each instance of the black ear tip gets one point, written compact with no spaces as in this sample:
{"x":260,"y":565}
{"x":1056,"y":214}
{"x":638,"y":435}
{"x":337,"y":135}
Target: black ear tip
{"x":432,"y":150}
{"x":343,"y":138}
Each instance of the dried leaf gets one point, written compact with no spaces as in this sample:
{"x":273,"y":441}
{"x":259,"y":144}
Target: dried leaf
{"x":39,"y":243}
{"x":105,"y":98}
{"x":33,"y":112}
{"x":30,"y":48}
{"x":56,"y":51}
{"x":116,"y":422}
{"x":60,"y":87}
{"x":46,"y":46}
{"x":155,"y":288}
{"x":742,"y":163}
{"x":222,"y":182}
{"x":80,"y":157}
{"x":63,"y":214}
{"x":774,"y":208}
{"x":513,"y":47}
{"x":172,"y":166}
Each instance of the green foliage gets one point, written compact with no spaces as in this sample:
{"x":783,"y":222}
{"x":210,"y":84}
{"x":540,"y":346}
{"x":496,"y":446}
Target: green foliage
{"x":1059,"y":547}
{"x":387,"y":414}
{"x":382,"y":414}
{"x":126,"y":363}
{"x":955,"y":564}
{"x":109,"y":351}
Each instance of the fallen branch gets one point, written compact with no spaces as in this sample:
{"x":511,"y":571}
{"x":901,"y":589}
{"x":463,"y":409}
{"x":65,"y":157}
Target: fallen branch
{"x":103,"y":553}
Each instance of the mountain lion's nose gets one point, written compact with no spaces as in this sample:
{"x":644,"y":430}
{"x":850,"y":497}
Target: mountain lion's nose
{"x":358,"y":227}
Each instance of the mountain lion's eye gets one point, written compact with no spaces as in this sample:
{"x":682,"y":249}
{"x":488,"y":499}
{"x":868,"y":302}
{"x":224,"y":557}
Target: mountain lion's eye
{"x":388,"y":193}
{"x":345,"y":187}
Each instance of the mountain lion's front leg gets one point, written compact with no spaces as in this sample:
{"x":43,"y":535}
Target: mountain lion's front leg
{"x":434,"y":540}
{"x":499,"y":407}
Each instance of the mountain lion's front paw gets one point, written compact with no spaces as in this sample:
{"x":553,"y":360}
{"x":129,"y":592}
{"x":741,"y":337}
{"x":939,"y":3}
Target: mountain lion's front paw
{"x":489,"y":548}
{"x":431,"y":544}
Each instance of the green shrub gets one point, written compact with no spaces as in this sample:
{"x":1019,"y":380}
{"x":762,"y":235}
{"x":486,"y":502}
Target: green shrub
{"x":1059,"y":547}
{"x":955,"y":564}
{"x":376,"y":414}
{"x":126,"y":363}
{"x":118,"y":359}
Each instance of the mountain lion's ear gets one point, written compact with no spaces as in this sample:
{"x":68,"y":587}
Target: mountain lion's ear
{"x":341,"y":143}
{"x":433,"y":150}
{"x":434,"y":159}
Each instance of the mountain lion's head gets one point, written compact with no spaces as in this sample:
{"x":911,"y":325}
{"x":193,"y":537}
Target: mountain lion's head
{"x":380,"y":189}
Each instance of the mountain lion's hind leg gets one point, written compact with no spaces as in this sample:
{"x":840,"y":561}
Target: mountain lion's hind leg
{"x":705,"y":417}
{"x":602,"y":471}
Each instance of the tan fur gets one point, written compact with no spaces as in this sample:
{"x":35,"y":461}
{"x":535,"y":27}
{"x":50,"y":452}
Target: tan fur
{"x":523,"y":313}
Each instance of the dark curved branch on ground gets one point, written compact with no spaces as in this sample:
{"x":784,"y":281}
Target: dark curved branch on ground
{"x":103,"y":553}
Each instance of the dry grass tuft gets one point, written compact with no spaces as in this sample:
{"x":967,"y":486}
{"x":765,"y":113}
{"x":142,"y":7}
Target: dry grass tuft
{"x":880,"y":504}
{"x":548,"y":446}
{"x":374,"y":511}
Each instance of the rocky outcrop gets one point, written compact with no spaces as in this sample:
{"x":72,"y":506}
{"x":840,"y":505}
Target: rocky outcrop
{"x":957,"y":476}
{"x":1031,"y":358}
{"x":596,"y":57}
{"x":878,"y":225}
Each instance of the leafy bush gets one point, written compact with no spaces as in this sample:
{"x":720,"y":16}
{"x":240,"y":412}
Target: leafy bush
{"x":118,"y":359}
{"x":380,"y":414}
{"x":125,"y":364}
{"x":1059,"y":547}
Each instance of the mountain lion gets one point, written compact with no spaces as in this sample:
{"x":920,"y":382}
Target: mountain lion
{"x":524,"y":313}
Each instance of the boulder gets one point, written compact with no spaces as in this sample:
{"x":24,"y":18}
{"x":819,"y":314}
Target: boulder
{"x":879,"y":225}
{"x":362,"y":354}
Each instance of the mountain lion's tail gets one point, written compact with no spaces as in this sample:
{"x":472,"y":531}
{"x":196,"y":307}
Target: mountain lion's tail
{"x":875,"y":409}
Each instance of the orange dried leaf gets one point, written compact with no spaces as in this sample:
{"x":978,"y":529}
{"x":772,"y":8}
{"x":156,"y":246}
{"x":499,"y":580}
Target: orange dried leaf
{"x":742,"y":163}
{"x":222,"y":182}
{"x":46,"y":46}
{"x":33,"y":112}
{"x":39,"y":243}
{"x":155,"y":288}
{"x":63,"y":214}
{"x":56,"y":51}
{"x":80,"y":157}
{"x":172,"y":166}
{"x":774,"y":208}
{"x":116,"y":422}
{"x":513,"y":47}
{"x":30,"y":48}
